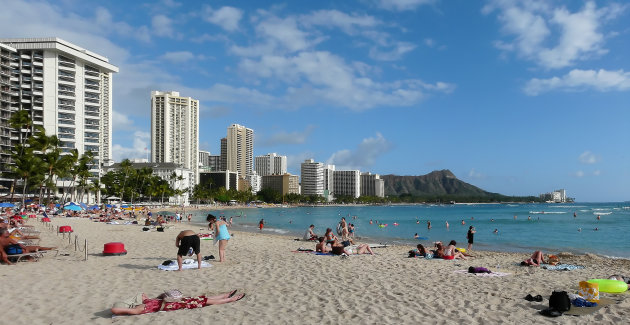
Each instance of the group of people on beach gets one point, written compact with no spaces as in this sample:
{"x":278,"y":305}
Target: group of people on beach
{"x":17,"y":238}
{"x":330,"y":243}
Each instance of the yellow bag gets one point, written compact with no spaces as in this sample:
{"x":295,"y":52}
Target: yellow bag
{"x":589,"y":291}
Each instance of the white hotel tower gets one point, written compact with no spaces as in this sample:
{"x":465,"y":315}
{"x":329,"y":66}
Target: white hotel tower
{"x":66,"y":89}
{"x":175,"y":130}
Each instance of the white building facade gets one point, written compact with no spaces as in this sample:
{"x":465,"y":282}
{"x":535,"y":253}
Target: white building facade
{"x":271,"y":164}
{"x":372,"y":185}
{"x":175,"y":130}
{"x":347,"y":182}
{"x":240,"y":150}
{"x":312,"y":176}
{"x":66,"y":89}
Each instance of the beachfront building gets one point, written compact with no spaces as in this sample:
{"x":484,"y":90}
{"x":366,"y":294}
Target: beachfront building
{"x":179,"y":178}
{"x":329,"y":170}
{"x":347,"y":183}
{"x":204,"y":158}
{"x":65,"y":88}
{"x":240,"y":150}
{"x":255,"y":182}
{"x":557,"y":196}
{"x":312,"y":174}
{"x":283,"y":184}
{"x":214,"y":163}
{"x":223,"y":155}
{"x":225,"y":178}
{"x":271,"y":164}
{"x":372,"y":185}
{"x":175,"y":130}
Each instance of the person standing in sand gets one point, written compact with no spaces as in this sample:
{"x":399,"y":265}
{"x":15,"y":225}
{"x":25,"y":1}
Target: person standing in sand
{"x":221,"y":234}
{"x":186,"y":240}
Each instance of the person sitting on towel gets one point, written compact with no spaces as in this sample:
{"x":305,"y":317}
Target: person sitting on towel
{"x":322,"y":247}
{"x":339,"y":249}
{"x":309,"y":234}
{"x":450,"y":252}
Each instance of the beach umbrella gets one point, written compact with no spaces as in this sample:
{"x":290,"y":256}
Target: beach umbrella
{"x":108,"y":205}
{"x":94,"y":207}
{"x":73,"y":208}
{"x":6,"y":205}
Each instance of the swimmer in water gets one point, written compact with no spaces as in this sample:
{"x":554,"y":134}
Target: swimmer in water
{"x":492,"y":219}
{"x":371,"y":221}
{"x":574,"y":215}
{"x":463,"y":222}
{"x":598,"y":217}
{"x":496,"y":231}
{"x":579,"y":229}
{"x":416,"y":236}
{"x":529,"y":218}
{"x":514,"y":217}
{"x":447,"y":225}
{"x":428,"y":224}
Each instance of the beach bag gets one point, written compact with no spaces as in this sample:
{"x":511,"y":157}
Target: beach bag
{"x":13,"y":249}
{"x":589,"y":291}
{"x":560,"y":301}
{"x":553,"y":260}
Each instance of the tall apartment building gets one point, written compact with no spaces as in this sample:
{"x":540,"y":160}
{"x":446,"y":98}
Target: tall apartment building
{"x":66,"y":89}
{"x":312,"y":174}
{"x":204,"y":158}
{"x":372,"y":185}
{"x":214,"y":163}
{"x":240,"y":150}
{"x":175,"y":130}
{"x":271,"y":164}
{"x":329,"y":170}
{"x":347,"y":182}
{"x":223,"y":155}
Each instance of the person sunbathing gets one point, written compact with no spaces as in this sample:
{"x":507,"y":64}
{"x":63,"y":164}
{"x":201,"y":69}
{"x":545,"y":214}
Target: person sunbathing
{"x":419,"y":251}
{"x":450,"y":252}
{"x":330,"y":237}
{"x":6,"y":242}
{"x":535,"y":260}
{"x":439,"y":250}
{"x":623,"y":278}
{"x":321,"y":246}
{"x":339,"y":249}
{"x":141,"y":304}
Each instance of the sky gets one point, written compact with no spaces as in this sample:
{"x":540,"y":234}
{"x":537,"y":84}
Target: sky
{"x":515,"y":97}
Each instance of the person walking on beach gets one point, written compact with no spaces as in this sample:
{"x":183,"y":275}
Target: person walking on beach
{"x":470,"y":236}
{"x":261,"y":224}
{"x":185,"y":241}
{"x":221,"y":234}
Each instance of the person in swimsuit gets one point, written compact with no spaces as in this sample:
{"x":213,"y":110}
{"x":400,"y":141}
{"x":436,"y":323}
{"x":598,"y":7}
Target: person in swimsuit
{"x":221,"y":234}
{"x":450,"y":252}
{"x":330,"y":237}
{"x":261,"y":224}
{"x":321,"y":246}
{"x":535,"y":260}
{"x":339,"y":249}
{"x":186,"y":240}
{"x":470,"y":236}
{"x":141,"y":304}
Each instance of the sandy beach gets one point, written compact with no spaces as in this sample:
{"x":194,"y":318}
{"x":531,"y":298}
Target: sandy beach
{"x":284,"y":287}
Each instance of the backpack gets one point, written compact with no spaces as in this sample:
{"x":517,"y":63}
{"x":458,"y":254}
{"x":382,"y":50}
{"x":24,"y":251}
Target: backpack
{"x":560,"y":301}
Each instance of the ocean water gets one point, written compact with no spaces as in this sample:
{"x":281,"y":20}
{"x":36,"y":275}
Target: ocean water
{"x":548,"y":227}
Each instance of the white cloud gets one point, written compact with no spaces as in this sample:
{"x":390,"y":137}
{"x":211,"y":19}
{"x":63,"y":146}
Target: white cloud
{"x":349,"y":24}
{"x":179,"y":57}
{"x":396,"y":53}
{"x":283,"y":137}
{"x":364,"y":156}
{"x":103,"y":18}
{"x":577,"y":80}
{"x":588,"y":158}
{"x":535,"y":25}
{"x":597,"y":173}
{"x":475,"y":174}
{"x":402,"y":5}
{"x":579,"y":174}
{"x":120,"y":121}
{"x":162,"y":26}
{"x":226,"y":17}
{"x":139,"y":149}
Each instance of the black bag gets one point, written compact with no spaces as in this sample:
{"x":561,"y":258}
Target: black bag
{"x":560,"y":301}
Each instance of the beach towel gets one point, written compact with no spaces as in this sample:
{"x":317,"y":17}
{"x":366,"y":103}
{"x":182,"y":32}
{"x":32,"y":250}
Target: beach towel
{"x":493,"y":274}
{"x":188,"y":263}
{"x":579,"y":311}
{"x":561,"y":267}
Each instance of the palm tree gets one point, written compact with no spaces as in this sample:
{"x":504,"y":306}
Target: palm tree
{"x":84,"y":165}
{"x":20,"y":120}
{"x":26,"y":167}
{"x":50,"y":153}
{"x":125,"y":167}
{"x":73,"y":170}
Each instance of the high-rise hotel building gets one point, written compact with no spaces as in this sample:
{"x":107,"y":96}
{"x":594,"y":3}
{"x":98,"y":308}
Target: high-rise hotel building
{"x":271,"y":164}
{"x":175,"y":131}
{"x":240,"y":150}
{"x":66,"y":89}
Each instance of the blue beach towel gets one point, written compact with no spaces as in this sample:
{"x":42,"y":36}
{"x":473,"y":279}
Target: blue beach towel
{"x":562,"y":267}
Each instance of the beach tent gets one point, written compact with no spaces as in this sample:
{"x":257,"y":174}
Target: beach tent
{"x":94,"y":207}
{"x":73,"y":207}
{"x":6,"y":205}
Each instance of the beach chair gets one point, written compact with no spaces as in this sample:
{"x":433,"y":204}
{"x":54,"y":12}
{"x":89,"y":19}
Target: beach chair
{"x":18,"y":257}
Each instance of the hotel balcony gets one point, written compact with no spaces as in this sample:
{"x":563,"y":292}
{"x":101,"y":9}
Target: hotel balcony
{"x":25,"y":56}
{"x":25,"y":71}
{"x":38,"y":64}
{"x":38,"y":78}
{"x":26,"y":101}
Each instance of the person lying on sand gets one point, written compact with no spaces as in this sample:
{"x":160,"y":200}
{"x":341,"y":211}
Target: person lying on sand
{"x":141,"y":304}
{"x":338,"y":249}
{"x":623,"y":278}
{"x":535,"y":260}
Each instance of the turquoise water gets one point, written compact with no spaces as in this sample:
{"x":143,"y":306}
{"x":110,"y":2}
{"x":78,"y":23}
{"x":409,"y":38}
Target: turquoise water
{"x":552,"y":227}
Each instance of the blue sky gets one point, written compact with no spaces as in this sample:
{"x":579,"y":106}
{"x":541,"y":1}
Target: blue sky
{"x":516,"y":97}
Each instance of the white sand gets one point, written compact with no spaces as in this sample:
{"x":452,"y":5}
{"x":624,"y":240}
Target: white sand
{"x":284,"y":287}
